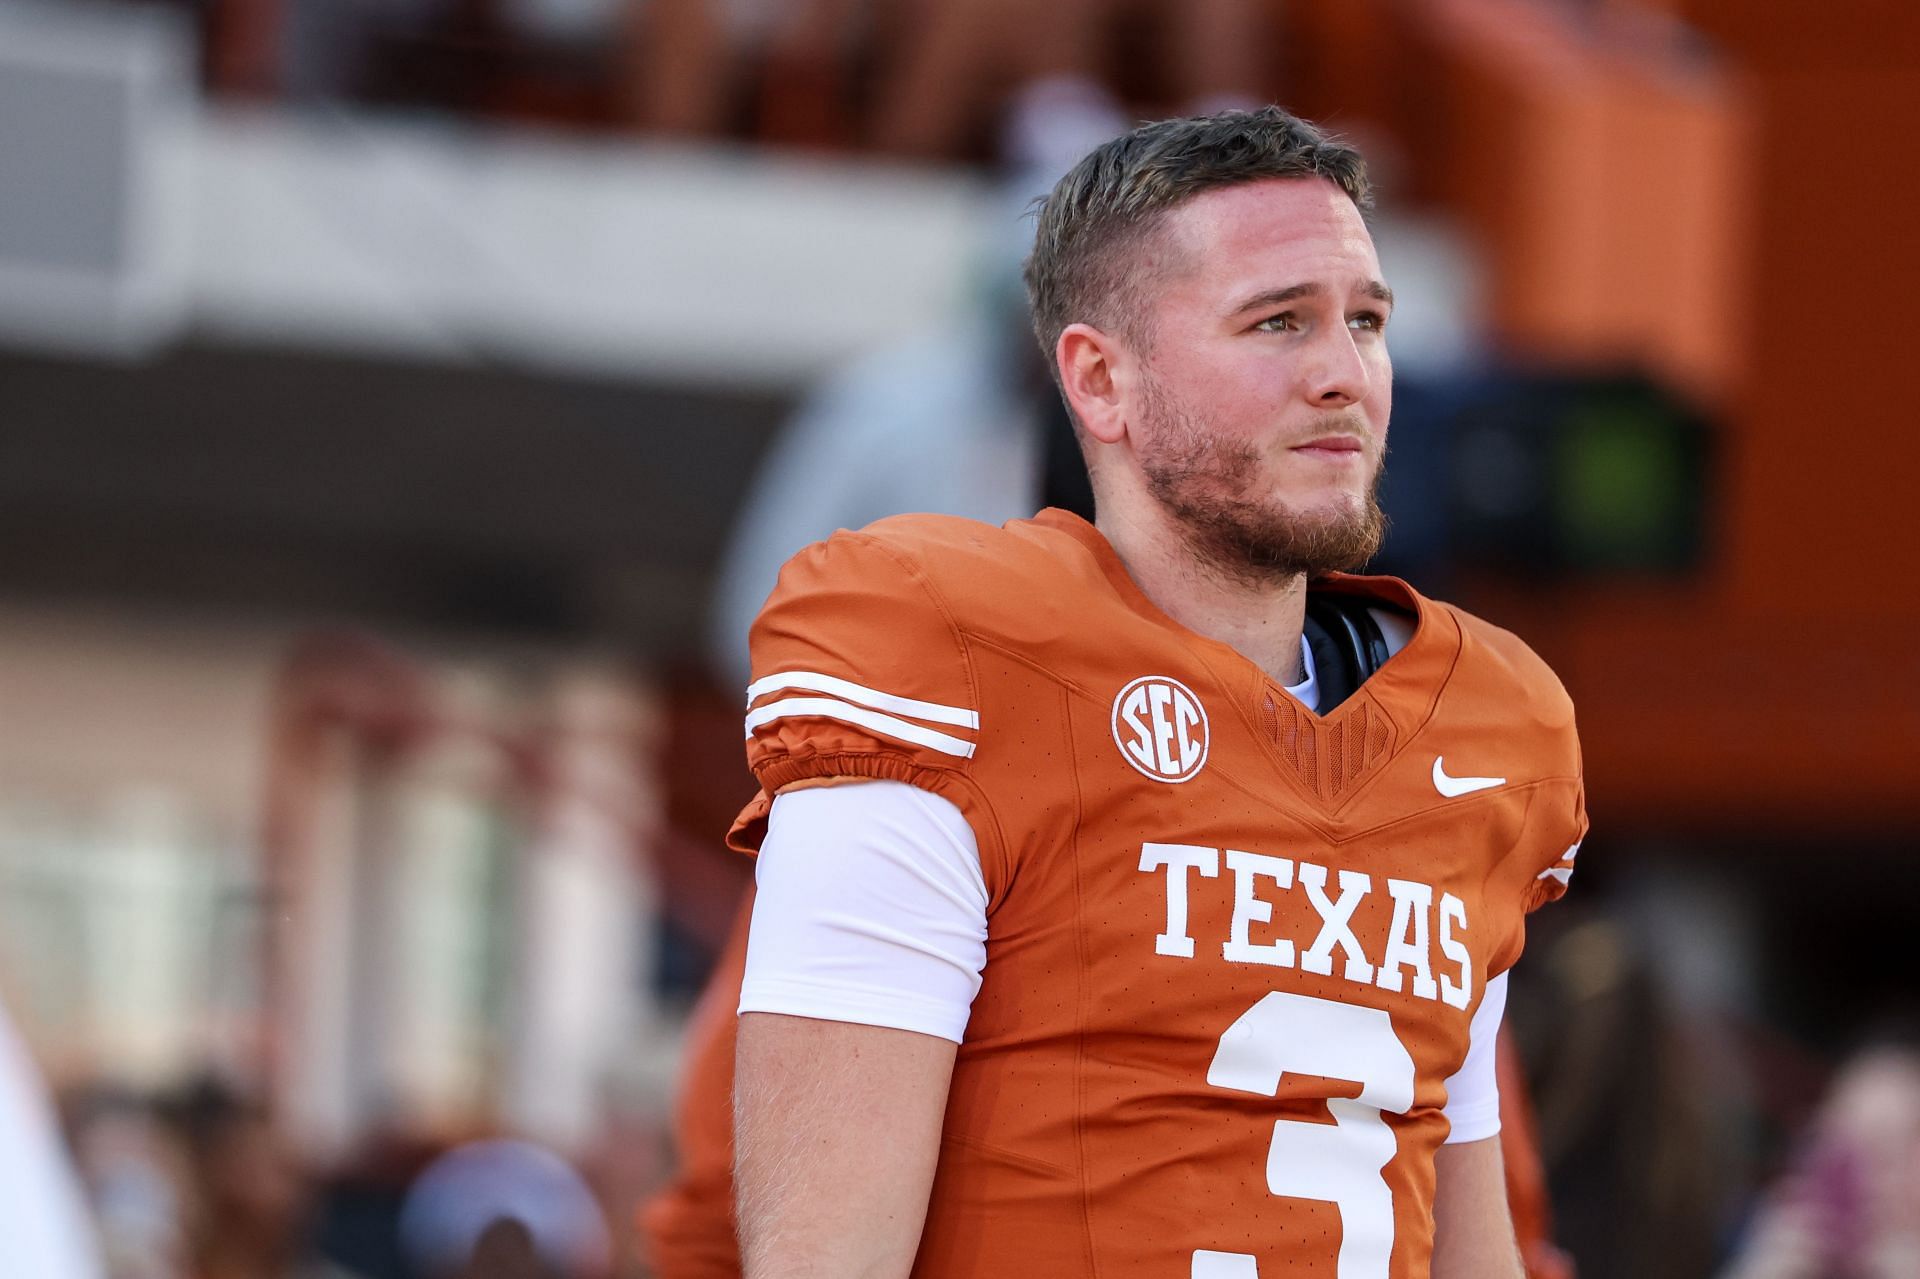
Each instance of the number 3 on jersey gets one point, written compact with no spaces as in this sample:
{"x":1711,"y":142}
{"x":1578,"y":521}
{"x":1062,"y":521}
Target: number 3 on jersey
{"x":1340,"y":1162}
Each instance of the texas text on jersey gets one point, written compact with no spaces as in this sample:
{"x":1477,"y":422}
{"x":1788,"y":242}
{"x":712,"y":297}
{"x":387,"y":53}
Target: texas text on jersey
{"x":1233,"y":945}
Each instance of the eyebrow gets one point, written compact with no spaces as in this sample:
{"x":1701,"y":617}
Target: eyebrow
{"x":1374,"y":289}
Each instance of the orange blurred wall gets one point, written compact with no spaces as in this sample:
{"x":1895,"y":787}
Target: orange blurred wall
{"x":1780,"y":693}
{"x":1736,"y":214}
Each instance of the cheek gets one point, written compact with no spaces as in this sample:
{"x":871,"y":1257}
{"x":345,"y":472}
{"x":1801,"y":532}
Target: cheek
{"x":1379,"y":402}
{"x":1200,"y":386}
{"x":1240,"y":387}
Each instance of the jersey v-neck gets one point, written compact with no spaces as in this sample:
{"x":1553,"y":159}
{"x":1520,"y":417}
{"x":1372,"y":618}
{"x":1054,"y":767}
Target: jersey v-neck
{"x":1404,"y":689}
{"x":1424,"y":659}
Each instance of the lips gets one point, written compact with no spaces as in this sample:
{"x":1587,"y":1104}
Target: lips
{"x":1332,"y":444}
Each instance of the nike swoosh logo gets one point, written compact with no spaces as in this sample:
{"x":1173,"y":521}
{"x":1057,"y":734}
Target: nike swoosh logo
{"x":1454,"y":787}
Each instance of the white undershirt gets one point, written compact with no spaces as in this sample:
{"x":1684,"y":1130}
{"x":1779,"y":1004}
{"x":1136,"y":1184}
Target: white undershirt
{"x":871,"y":909}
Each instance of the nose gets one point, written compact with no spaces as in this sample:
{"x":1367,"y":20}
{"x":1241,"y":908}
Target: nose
{"x":1335,"y":373}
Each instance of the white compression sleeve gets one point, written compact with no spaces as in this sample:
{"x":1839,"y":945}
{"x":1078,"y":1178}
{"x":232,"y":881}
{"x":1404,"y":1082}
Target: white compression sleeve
{"x":870,"y":908}
{"x":1473,"y":1093}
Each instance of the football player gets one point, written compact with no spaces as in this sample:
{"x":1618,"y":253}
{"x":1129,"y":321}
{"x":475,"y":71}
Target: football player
{"x":1135,"y":897}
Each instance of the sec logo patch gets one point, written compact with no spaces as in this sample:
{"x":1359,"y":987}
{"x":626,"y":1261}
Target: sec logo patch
{"x":1161,"y":728}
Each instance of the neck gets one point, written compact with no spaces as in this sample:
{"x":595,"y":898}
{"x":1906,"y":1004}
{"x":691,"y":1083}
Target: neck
{"x":1260,"y":620}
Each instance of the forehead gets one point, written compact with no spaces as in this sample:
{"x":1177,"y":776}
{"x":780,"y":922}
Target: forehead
{"x":1278,"y":232}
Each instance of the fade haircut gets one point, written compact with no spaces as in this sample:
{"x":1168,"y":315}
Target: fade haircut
{"x":1092,"y":250}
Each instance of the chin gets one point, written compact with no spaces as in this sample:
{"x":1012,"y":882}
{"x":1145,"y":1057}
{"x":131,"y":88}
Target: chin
{"x":1323,"y":509}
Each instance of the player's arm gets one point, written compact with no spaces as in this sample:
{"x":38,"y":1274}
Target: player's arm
{"x":869,"y":928}
{"x":1473,"y":1234}
{"x":837,"y":1133}
{"x":1472,"y":1227}
{"x":867,"y":946}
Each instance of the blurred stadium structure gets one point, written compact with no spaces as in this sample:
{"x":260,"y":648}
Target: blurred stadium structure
{"x":380,"y":385}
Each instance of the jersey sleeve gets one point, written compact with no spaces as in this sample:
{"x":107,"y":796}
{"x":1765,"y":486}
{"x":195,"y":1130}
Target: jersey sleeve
{"x":1539,"y":866}
{"x":1565,"y":826}
{"x":860,"y":671}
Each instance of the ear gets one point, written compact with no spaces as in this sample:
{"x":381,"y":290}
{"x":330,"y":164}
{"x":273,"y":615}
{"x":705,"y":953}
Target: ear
{"x":1097,"y":376}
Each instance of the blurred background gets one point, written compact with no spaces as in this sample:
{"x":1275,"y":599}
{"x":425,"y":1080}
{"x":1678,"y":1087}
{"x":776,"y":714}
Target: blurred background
{"x":404,"y":404}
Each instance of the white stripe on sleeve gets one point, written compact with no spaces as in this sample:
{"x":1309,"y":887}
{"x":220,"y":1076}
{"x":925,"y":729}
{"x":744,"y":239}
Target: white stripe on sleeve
{"x":815,"y":682}
{"x":872,"y":721}
{"x":1562,"y":873}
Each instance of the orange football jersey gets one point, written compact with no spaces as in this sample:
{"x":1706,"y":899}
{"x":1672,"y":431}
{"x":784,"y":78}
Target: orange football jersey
{"x":1233,"y":946}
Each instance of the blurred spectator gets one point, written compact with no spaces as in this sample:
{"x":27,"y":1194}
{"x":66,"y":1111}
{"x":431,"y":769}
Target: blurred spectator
{"x":933,"y":424}
{"x":1849,"y":1207}
{"x":138,"y":1183}
{"x":506,"y":1250}
{"x":962,"y":58}
{"x":251,"y":1219}
{"x":694,"y":64}
{"x":504,"y":1210}
{"x":44,"y":1231}
{"x":925,"y":78}
{"x":358,"y":1208}
{"x":1627,"y":1114}
{"x":964,"y":420}
{"x":930,"y":80}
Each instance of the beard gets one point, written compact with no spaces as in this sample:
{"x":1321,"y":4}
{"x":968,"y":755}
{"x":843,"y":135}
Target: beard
{"x":1235,"y":528}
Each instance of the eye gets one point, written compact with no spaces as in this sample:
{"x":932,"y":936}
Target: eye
{"x":1285,"y":322}
{"x":1374,"y":321}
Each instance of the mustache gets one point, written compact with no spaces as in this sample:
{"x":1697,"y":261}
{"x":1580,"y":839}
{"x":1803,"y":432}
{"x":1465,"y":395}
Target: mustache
{"x":1341,"y":422}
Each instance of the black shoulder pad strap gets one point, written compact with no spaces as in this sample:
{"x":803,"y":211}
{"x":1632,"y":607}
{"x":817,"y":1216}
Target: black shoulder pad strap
{"x":1347,"y":644}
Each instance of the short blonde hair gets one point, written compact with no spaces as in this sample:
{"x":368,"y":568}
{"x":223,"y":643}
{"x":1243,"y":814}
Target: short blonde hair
{"x":1087,"y":265}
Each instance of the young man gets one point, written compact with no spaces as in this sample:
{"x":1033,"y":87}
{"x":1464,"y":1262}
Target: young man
{"x":1134,"y":897}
